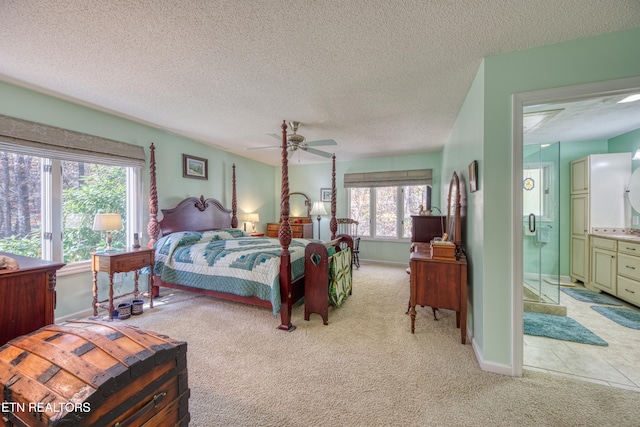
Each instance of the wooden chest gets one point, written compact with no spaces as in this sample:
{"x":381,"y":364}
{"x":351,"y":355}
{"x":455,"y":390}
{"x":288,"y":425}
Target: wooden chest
{"x":94,"y":374}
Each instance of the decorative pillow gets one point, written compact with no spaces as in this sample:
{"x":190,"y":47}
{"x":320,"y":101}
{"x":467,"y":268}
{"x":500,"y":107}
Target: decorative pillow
{"x":340,"y":277}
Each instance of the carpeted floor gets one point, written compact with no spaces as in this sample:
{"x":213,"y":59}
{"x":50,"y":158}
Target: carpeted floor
{"x":364,"y":369}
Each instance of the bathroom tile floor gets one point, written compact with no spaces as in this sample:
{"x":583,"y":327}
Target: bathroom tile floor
{"x":617,"y":365}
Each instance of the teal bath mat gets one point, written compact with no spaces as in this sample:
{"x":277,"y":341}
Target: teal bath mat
{"x":622,"y":316}
{"x":585,"y":295}
{"x":559,"y":327}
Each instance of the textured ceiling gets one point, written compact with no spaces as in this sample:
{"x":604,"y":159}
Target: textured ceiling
{"x":381,"y":77}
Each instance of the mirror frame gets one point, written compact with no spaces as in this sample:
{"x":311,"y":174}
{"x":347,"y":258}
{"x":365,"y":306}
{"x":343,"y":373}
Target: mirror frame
{"x":454,"y":228}
{"x":307,"y":202}
{"x":633,"y":191}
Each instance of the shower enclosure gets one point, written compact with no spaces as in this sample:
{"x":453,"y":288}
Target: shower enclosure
{"x":541,"y":223}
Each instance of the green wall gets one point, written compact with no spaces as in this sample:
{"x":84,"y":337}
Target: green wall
{"x":309,"y":179}
{"x":465,"y":146}
{"x":607,"y":57}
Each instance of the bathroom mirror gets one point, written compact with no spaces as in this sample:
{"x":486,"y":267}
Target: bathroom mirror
{"x":453,"y":211}
{"x":299,"y":206}
{"x":634,"y":190}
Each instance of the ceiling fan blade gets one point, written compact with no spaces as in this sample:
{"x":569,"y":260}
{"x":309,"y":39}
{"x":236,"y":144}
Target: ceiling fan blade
{"x":260,"y":148}
{"x":275,"y":135}
{"x":320,"y":142}
{"x":318,"y":152}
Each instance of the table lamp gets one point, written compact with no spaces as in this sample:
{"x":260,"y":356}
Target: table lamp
{"x":253,"y":218}
{"x":318,"y":209}
{"x":107,"y":222}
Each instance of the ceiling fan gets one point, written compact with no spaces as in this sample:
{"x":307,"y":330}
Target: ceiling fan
{"x":296,"y":142}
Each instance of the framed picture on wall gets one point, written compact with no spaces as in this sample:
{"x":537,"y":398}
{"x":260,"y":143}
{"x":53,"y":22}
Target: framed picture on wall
{"x":325,"y":194}
{"x":473,"y":176}
{"x":194,"y":167}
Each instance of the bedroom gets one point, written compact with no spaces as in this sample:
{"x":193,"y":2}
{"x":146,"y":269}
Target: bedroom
{"x":485,"y":112}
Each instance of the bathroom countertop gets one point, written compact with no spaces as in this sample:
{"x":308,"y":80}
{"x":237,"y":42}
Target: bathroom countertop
{"x":620,"y":234}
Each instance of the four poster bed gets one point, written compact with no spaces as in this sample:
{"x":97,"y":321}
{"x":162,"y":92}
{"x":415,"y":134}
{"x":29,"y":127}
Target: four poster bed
{"x":201,"y":250}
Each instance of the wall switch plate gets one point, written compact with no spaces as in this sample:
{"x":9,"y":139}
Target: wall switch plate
{"x":635,"y":220}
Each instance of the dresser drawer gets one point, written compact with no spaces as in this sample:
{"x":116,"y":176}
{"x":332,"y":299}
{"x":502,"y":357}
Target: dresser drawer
{"x":629,"y":266}
{"x":603,"y":243}
{"x":132,"y":262}
{"x":630,"y":248}
{"x":272,"y":230}
{"x":629,"y":290}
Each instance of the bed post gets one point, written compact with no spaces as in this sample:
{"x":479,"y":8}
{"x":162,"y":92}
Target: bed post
{"x":284,"y":235}
{"x":153,"y":228}
{"x":234,"y":199}
{"x":333,"y":223}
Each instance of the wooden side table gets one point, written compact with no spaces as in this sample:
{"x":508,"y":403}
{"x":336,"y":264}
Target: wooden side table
{"x":121,"y":262}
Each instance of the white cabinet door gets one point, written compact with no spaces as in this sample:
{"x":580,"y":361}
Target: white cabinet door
{"x":580,"y":215}
{"x":579,"y":254}
{"x":603,"y":269}
{"x":580,"y":175}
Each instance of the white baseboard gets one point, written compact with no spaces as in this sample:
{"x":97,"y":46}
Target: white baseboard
{"x":496,"y":368}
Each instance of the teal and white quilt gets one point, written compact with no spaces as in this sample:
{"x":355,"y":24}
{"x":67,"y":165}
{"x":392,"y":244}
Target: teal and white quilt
{"x":227,"y":261}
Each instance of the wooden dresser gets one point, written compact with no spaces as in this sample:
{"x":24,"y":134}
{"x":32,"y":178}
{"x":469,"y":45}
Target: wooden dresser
{"x":28,"y":296}
{"x":438,"y":283}
{"x":301,"y":230}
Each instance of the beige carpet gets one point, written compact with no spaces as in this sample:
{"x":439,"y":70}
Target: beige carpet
{"x":364,"y":369}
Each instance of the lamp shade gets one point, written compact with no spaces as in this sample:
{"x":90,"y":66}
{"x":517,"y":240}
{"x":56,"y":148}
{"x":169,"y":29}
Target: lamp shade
{"x":318,"y":209}
{"x":253,"y":217}
{"x":107,"y":222}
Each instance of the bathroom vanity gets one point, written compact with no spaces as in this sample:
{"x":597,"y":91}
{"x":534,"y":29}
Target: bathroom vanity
{"x":615,"y":264}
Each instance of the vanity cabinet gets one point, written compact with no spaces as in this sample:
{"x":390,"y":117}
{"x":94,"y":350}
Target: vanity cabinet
{"x":604,"y":264}
{"x":598,"y":184}
{"x":628,"y":286}
{"x":615,"y":267}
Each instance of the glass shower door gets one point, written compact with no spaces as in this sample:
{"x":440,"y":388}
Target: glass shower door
{"x":541,"y":219}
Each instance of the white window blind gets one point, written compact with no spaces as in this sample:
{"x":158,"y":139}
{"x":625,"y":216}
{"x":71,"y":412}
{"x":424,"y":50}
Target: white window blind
{"x":40,"y":140}
{"x":388,"y":179}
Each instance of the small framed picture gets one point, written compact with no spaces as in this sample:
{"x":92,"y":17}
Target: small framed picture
{"x":325,"y":194}
{"x":473,"y":176}
{"x":194,"y":167}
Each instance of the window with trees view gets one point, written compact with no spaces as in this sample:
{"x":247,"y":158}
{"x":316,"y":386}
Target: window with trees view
{"x":48,"y":205}
{"x":389,"y":207}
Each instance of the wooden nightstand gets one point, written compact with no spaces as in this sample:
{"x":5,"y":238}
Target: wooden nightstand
{"x":121,"y":262}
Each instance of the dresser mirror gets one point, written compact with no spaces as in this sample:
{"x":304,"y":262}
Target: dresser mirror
{"x":453,"y":212}
{"x":634,"y":190}
{"x":299,"y":206}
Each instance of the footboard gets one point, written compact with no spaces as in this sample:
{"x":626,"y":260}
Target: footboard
{"x":317,"y":260}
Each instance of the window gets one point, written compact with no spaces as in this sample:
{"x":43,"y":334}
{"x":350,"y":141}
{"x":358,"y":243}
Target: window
{"x":392,"y":209}
{"x":49,"y":205}
{"x":538,"y":191}
{"x":53,"y":182}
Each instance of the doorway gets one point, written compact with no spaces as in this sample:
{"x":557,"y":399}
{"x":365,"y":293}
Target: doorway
{"x":520,"y":220}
